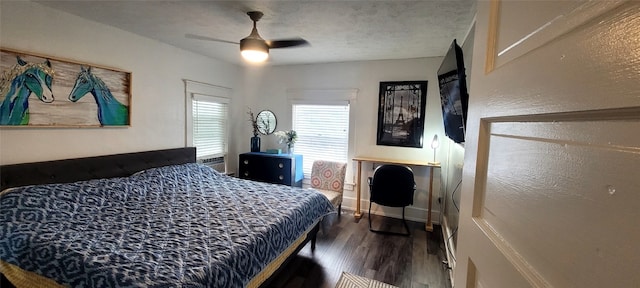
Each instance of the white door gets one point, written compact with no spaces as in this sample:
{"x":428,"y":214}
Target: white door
{"x":551,"y":180}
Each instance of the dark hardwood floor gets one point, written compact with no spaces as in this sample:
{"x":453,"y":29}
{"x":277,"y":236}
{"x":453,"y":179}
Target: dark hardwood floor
{"x":344,"y":245}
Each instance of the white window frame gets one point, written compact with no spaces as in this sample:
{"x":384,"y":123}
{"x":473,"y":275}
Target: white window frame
{"x":328,"y":97}
{"x":206,"y":92}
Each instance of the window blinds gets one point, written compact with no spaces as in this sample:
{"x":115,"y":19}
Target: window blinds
{"x":323,"y":132}
{"x":209,"y":126}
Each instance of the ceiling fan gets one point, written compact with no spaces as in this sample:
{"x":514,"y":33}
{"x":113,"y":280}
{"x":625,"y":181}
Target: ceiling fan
{"x":253,"y":47}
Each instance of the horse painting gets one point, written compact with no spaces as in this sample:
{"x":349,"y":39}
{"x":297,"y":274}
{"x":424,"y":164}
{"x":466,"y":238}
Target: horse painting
{"x":17,"y":84}
{"x":110,"y":111}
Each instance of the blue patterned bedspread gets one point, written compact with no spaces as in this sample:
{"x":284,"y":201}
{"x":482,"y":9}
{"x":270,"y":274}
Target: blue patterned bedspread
{"x":174,"y":226}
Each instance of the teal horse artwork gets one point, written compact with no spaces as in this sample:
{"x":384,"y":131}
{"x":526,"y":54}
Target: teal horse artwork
{"x":110,"y":111}
{"x":17,"y":84}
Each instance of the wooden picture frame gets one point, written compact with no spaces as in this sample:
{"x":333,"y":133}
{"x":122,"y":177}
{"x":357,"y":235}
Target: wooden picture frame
{"x":401,"y":113}
{"x":43,"y":91}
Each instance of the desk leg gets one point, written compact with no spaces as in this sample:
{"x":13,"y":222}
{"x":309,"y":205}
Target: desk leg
{"x":429,"y":225}
{"x":357,"y":213}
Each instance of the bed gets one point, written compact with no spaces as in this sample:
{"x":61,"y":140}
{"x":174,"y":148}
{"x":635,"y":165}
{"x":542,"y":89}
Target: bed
{"x":148,"y":219}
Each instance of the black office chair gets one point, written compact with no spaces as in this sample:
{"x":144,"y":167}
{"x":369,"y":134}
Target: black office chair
{"x":392,"y":185}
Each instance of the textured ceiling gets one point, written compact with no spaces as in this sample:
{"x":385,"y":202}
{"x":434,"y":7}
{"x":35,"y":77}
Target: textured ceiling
{"x":337,"y":30}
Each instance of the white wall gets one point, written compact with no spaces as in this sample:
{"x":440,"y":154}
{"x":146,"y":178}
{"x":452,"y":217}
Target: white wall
{"x":158,"y":98}
{"x":452,"y":168}
{"x":269,"y":91}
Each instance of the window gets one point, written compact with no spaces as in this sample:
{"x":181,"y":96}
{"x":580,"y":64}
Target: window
{"x":323,"y":132}
{"x":209,"y":126}
{"x":207,"y":119}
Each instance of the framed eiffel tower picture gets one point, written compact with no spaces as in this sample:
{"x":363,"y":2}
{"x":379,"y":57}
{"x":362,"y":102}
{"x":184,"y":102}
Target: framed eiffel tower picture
{"x":401,"y":113}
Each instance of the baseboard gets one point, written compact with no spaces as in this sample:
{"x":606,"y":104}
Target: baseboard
{"x":412,"y":213}
{"x":450,"y":250}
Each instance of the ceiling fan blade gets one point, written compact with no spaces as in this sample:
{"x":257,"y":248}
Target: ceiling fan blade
{"x":285,"y":43}
{"x":199,"y":37}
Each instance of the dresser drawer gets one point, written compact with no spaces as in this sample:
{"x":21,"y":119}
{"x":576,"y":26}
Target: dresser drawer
{"x":277,"y":170}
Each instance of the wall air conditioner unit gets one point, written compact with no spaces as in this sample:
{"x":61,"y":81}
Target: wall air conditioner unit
{"x":217,"y":163}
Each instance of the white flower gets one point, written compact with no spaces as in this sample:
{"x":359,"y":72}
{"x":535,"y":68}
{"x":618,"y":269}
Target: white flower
{"x":289,"y":137}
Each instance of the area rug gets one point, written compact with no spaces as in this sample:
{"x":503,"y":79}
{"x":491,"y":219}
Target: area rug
{"x":348,"y":280}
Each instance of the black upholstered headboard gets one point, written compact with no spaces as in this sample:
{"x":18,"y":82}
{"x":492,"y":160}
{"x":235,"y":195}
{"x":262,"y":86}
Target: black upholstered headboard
{"x":108,"y":166}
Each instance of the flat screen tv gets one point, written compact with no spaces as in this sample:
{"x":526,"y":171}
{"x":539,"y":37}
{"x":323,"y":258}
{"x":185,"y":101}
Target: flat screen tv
{"x":453,"y":93}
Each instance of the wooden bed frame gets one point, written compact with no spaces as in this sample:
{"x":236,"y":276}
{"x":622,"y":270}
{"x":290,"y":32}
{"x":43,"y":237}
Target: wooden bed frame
{"x":108,"y":166}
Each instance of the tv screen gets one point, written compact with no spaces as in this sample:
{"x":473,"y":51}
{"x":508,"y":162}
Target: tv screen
{"x":453,"y":93}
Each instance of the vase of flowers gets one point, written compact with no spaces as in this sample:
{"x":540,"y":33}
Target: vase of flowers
{"x":288,"y":138}
{"x":255,"y":140}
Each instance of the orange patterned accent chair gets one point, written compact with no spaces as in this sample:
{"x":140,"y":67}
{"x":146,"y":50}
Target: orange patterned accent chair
{"x":328,"y":178}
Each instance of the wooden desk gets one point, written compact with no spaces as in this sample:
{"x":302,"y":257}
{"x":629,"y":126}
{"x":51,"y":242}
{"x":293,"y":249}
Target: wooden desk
{"x":360,"y":159}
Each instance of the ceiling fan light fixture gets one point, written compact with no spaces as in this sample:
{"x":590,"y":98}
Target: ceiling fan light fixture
{"x":254,"y":50}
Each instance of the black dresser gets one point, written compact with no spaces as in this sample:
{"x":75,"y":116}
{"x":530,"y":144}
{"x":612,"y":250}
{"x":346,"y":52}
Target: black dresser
{"x":283,"y":169}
